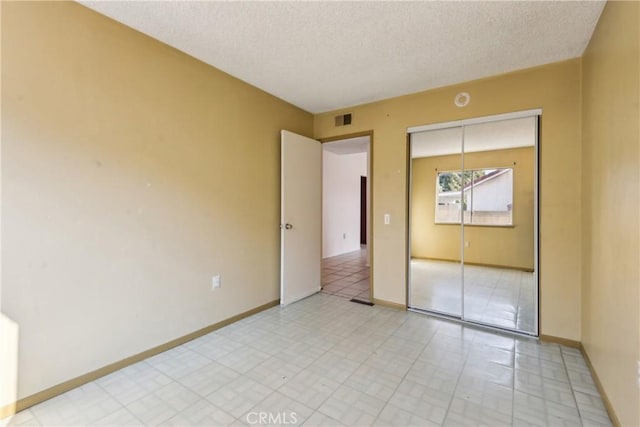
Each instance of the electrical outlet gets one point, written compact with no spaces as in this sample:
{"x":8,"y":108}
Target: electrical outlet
{"x":344,"y":235}
{"x":215,"y":282}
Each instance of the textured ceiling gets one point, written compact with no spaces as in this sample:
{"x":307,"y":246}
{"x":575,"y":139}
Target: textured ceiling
{"x":327,"y":55}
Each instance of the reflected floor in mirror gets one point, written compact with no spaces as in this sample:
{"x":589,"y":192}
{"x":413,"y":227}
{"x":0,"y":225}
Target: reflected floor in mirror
{"x":494,"y":296}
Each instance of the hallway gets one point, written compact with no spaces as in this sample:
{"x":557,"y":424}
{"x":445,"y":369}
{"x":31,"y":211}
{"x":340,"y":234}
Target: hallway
{"x":347,"y":275}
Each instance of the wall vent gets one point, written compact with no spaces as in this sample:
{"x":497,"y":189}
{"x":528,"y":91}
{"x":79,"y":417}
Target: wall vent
{"x":343,"y":119}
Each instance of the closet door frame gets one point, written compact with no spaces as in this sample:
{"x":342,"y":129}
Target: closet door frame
{"x":537,"y":113}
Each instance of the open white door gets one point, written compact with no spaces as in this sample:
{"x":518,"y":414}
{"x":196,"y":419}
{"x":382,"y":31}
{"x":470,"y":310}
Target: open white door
{"x":301,"y":217}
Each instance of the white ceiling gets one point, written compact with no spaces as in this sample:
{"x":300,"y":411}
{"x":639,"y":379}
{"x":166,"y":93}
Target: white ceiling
{"x":489,"y":136}
{"x":326,"y":55}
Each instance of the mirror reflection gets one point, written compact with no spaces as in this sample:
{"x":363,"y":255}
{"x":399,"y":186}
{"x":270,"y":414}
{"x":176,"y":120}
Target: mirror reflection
{"x":435,"y":265}
{"x":472,"y":223}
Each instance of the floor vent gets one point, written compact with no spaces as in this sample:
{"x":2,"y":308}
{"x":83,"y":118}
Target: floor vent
{"x":370,"y":304}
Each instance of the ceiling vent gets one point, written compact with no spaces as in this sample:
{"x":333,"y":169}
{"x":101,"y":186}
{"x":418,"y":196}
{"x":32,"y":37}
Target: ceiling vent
{"x":343,"y":120}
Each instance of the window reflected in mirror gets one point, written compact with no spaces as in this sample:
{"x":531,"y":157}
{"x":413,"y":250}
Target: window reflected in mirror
{"x":482,"y":196}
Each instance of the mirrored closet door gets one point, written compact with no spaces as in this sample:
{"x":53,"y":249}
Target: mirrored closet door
{"x":473,"y":222}
{"x":436,"y":208}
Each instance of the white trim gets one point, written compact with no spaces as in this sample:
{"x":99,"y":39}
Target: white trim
{"x":536,"y":228}
{"x":462,"y":230}
{"x":409,"y":221}
{"x":282,"y":221}
{"x":475,"y":324}
{"x":476,"y":120}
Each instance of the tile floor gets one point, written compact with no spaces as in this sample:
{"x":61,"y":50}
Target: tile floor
{"x":325,"y":361}
{"x":494,"y":296}
{"x":346,"y":275}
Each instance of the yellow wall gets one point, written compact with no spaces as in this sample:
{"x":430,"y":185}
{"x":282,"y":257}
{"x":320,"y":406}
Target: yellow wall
{"x":501,"y":246}
{"x":131,"y":174}
{"x":556,"y":89}
{"x":611,"y":199}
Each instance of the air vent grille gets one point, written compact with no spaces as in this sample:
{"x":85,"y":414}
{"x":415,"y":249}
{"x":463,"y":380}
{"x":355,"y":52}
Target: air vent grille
{"x":343,"y":119}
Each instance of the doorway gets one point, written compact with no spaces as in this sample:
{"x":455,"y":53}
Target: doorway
{"x":473,"y":227}
{"x":363,"y":210}
{"x":346,"y":231}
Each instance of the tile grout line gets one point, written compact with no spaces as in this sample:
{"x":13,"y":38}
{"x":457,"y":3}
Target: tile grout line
{"x":276,"y":391}
{"x":328,"y":396}
{"x":122,"y":405}
{"x":466,"y":358}
{"x":406,"y":373}
{"x":573,"y":391}
{"x":543,"y":398}
{"x":361,"y":364}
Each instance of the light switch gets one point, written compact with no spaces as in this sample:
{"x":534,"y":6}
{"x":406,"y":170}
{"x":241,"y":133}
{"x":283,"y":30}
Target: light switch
{"x":215,"y":282}
{"x":387,"y":219}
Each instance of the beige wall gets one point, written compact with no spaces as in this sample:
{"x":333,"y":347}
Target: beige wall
{"x":611,"y":199}
{"x":556,"y":89}
{"x":131,"y":174}
{"x":341,"y":174}
{"x":501,"y":246}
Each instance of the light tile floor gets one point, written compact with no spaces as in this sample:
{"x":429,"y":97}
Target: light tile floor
{"x":338,"y":363}
{"x":494,"y":296}
{"x":346,"y":275}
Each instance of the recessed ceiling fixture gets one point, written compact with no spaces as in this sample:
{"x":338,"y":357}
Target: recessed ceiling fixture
{"x":462,"y":99}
